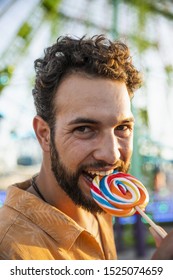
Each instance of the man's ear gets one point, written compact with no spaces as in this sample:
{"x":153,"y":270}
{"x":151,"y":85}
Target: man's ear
{"x":42,"y":132}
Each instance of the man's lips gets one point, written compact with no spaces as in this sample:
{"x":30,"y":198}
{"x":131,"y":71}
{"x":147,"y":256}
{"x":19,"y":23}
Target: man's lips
{"x":88,"y":176}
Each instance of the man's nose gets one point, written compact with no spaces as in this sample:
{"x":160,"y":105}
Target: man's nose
{"x":108,"y":149}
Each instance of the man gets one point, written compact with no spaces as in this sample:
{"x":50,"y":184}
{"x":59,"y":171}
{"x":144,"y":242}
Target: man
{"x":84,"y":125}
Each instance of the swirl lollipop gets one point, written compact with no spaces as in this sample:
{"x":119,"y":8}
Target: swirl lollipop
{"x":121,"y":195}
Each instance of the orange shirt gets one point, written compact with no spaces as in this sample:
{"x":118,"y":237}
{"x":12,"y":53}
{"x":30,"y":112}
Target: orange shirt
{"x":31,"y":229}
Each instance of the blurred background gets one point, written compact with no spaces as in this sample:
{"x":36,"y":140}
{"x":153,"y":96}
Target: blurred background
{"x":27,"y":27}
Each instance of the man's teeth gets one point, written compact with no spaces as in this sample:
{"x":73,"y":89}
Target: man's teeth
{"x":101,"y":173}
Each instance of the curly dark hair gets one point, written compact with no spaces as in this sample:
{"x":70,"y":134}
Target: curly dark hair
{"x":96,"y":56}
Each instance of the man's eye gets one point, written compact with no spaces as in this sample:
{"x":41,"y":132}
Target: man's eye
{"x":122,"y":127}
{"x":83,"y":129}
{"x":84,"y":132}
{"x":124,"y":130}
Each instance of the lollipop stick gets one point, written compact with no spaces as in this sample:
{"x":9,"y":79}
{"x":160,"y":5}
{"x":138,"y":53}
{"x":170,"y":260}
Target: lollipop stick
{"x":157,"y":229}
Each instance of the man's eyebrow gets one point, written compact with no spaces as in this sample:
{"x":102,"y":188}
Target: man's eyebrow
{"x":131,"y":119}
{"x":83,"y":120}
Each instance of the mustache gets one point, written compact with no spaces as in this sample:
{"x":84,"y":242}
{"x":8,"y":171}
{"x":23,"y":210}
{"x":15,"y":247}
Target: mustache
{"x":119,"y":166}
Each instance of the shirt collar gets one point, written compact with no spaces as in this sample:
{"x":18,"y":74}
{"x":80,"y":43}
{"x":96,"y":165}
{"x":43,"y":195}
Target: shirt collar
{"x":45,"y":216}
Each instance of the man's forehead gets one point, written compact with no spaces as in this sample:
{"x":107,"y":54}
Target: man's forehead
{"x":73,"y":82}
{"x":82,"y":100}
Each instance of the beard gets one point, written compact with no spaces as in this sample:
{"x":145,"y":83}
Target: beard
{"x":69,"y":181}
